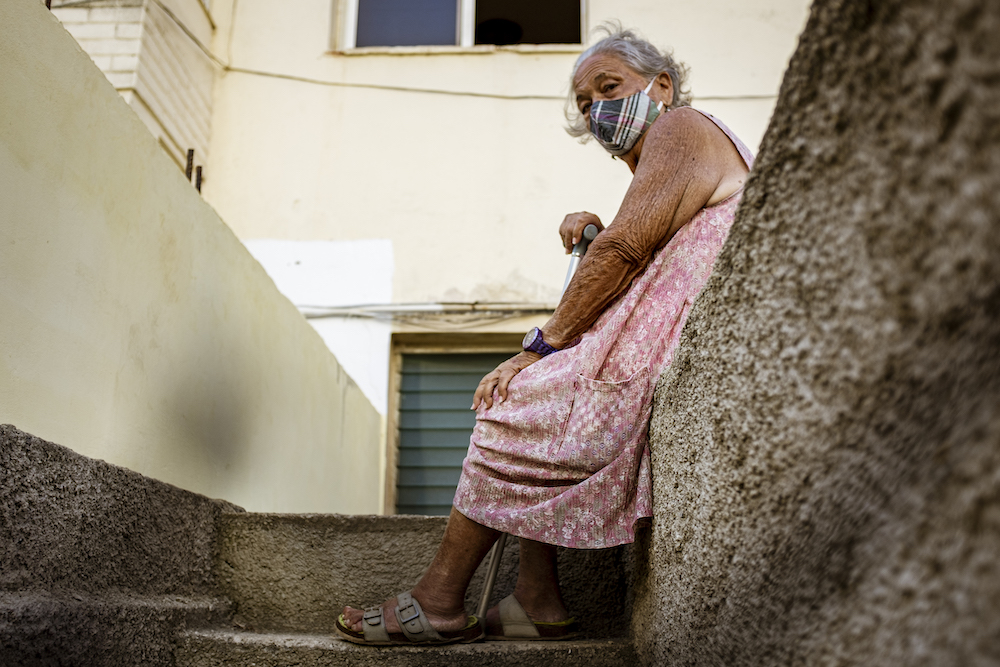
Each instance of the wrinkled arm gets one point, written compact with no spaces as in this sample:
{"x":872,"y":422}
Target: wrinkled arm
{"x":680,"y":169}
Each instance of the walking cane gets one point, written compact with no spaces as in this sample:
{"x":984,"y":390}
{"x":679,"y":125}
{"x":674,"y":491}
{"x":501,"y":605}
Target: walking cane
{"x":579,"y":250}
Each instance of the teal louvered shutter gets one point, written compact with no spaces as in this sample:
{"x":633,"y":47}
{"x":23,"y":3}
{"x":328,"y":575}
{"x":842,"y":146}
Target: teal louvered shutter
{"x":435,"y":423}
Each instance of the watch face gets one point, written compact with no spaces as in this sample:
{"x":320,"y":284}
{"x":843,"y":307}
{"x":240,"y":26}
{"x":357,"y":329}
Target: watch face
{"x":529,"y":338}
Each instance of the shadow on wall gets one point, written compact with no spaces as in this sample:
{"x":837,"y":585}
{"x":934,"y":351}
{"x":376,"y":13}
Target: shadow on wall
{"x":215,"y":414}
{"x":190,"y":387}
{"x":826,"y":446}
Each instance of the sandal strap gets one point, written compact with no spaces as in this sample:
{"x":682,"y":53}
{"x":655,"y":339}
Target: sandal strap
{"x":373,"y":626}
{"x":515,"y":620}
{"x":412,"y":620}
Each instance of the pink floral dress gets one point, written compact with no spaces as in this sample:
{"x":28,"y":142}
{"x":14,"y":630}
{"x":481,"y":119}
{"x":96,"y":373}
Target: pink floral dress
{"x":565,"y":459}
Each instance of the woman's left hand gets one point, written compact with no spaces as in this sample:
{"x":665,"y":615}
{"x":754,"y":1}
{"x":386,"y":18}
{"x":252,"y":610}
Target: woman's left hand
{"x":500,"y":377}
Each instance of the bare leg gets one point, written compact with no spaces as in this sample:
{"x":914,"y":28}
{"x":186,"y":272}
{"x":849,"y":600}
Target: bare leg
{"x":537,"y":588}
{"x":441,"y":591}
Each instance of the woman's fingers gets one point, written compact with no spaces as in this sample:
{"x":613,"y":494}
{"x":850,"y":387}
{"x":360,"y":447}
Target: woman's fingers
{"x":571,"y":229}
{"x":484,"y":392}
{"x":566,"y":233}
{"x":499,"y":378}
{"x":503,"y":381}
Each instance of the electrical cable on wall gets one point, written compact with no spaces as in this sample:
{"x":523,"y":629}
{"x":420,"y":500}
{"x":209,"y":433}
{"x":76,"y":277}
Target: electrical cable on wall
{"x":432,"y":316}
{"x":226,"y":67}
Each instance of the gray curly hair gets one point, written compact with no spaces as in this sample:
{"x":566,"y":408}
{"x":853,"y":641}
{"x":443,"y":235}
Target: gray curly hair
{"x":638,"y":54}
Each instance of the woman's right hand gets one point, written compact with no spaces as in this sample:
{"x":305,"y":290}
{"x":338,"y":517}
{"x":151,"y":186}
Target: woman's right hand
{"x":571,"y":229}
{"x":500,"y":377}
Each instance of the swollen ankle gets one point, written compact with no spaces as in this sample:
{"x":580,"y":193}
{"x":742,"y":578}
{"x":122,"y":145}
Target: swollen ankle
{"x":443,"y":606}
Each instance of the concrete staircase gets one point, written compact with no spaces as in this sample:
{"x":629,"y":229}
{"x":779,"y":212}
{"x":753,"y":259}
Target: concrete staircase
{"x":100,"y":566}
{"x":211,"y":648}
{"x":288,"y":576}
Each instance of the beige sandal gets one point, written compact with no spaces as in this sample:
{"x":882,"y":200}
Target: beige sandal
{"x":415,"y":627}
{"x":518,"y":626}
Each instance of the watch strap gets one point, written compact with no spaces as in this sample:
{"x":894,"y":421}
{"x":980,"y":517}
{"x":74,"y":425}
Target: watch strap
{"x":538,"y":345}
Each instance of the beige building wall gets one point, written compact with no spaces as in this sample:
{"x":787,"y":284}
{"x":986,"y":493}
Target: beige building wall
{"x":135,"y":327}
{"x":474,"y":182}
{"x":456,"y":156}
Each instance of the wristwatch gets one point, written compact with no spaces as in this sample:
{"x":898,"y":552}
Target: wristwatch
{"x":533,"y":342}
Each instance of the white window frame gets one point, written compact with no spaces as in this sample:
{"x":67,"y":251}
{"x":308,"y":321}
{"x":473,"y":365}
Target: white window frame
{"x":345,"y":30}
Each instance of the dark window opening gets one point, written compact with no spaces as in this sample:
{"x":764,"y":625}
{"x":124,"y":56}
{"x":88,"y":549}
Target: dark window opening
{"x":527,"y":22}
{"x":438,"y":23}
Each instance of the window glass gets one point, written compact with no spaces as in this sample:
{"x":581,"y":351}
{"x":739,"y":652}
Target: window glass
{"x":406,"y":22}
{"x":527,"y":22}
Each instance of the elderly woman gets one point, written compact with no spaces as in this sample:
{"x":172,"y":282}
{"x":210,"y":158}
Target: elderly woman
{"x":559,"y":454}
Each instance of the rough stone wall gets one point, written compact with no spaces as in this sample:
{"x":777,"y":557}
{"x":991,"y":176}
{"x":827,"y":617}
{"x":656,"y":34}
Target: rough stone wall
{"x":98,"y":565}
{"x":826,"y":446}
{"x":74,"y":523}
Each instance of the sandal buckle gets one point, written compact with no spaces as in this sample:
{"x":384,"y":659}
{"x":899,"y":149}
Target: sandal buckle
{"x":373,"y":613}
{"x":403,"y":618}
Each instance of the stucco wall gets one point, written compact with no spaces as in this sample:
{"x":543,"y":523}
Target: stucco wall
{"x":135,"y":327}
{"x":826,"y":446}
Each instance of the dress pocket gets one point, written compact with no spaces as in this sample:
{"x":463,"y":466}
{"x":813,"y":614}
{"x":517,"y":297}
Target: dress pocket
{"x":606,"y":419}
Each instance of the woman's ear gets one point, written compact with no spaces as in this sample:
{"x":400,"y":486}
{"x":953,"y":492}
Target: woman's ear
{"x":667,"y":88}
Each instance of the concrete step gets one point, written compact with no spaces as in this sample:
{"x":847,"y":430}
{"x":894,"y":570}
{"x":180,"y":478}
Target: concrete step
{"x":112,"y":629}
{"x":294,"y":573}
{"x":202,"y":648}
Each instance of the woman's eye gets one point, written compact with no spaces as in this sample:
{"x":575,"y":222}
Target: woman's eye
{"x":609,"y":87}
{"x":585,"y":110}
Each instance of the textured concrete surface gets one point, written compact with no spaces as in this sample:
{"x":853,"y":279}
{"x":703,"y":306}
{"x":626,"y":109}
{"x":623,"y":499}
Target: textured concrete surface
{"x":98,"y":565}
{"x":74,"y":523}
{"x":294,"y":573}
{"x":110,"y":630}
{"x":826,"y":446}
{"x":102,"y":566}
{"x":215,"y":649}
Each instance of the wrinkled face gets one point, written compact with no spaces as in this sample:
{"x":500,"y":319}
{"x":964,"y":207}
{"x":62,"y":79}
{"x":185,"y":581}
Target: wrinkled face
{"x":605,"y":77}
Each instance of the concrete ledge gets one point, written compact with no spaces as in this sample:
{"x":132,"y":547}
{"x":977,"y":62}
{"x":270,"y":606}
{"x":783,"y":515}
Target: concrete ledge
{"x":72,"y":523}
{"x":216,"y":649}
{"x":112,"y":630}
{"x":99,"y":565}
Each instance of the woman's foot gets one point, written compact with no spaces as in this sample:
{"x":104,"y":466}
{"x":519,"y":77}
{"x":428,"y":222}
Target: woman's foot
{"x":441,"y":617}
{"x":409,"y":626}
{"x":540,"y":609}
{"x":441,"y":591}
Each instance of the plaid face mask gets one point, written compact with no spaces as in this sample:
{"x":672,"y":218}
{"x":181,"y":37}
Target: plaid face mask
{"x":618,"y":124}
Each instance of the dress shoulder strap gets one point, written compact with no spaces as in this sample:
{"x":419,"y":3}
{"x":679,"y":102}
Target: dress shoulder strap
{"x":744,"y":152}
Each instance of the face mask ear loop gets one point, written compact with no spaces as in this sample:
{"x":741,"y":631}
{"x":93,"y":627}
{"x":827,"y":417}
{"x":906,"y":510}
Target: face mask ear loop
{"x":659,"y":105}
